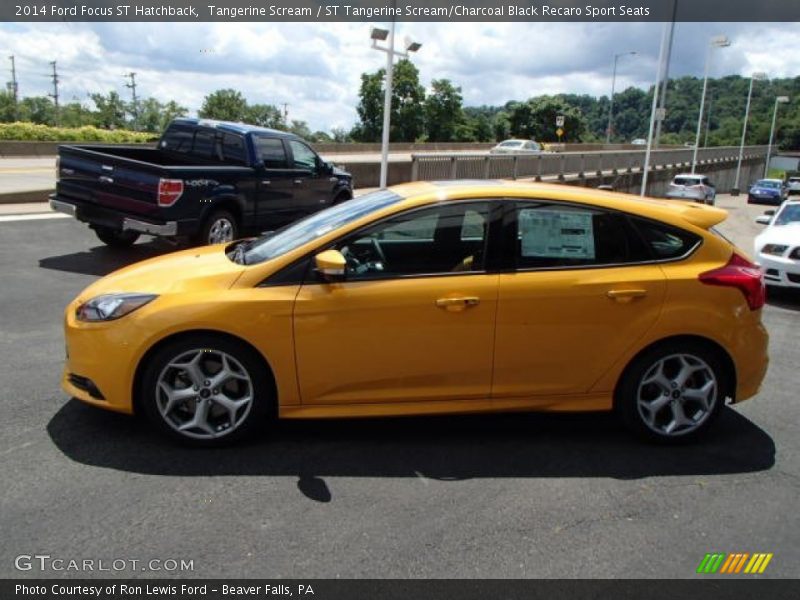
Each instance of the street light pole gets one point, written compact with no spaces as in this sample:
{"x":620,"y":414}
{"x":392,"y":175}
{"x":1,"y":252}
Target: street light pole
{"x":662,"y":50}
{"x":381,"y":35}
{"x":755,"y":76}
{"x":611,"y":99}
{"x":717,"y":42}
{"x":778,"y":100}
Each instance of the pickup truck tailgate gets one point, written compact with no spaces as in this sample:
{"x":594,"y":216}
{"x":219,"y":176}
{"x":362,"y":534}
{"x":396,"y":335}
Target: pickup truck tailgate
{"x":107,"y":181}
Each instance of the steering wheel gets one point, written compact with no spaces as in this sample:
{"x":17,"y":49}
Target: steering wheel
{"x":376,"y":247}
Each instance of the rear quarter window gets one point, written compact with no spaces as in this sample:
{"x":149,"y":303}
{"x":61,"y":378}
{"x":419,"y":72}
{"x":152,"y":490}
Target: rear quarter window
{"x":665,"y":241}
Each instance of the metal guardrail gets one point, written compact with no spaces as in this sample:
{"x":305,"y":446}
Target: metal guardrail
{"x":433,"y":167}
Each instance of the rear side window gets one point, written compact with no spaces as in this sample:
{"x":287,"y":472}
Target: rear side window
{"x":203,"y":144}
{"x":271,"y":152}
{"x":665,"y":241}
{"x":233,"y":148}
{"x":552,"y":236}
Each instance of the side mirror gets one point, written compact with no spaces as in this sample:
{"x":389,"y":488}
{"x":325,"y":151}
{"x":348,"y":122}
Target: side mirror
{"x":324,"y":167}
{"x":331,"y":265}
{"x":763,"y":219}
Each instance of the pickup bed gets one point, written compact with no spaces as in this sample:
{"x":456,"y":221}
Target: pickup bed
{"x":206,"y":181}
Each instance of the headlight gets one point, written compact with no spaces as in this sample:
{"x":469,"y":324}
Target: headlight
{"x":111,"y":306}
{"x":776,"y":249}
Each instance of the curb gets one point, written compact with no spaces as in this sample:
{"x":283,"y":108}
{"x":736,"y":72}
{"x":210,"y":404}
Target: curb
{"x":25,"y":197}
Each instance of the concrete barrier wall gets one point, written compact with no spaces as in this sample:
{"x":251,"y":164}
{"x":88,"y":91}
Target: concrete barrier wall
{"x":43,"y":149}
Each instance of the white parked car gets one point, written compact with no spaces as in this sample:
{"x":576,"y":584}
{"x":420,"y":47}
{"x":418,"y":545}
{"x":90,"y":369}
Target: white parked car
{"x":692,"y":186}
{"x":777,"y":248}
{"x":639,"y":142}
{"x":793,"y":185}
{"x":516,"y":147}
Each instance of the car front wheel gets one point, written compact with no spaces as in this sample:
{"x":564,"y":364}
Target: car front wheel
{"x":673,"y":392}
{"x":206,"y":391}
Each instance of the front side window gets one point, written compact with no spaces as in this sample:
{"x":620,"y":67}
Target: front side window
{"x":554,"y":235}
{"x":304,"y":157}
{"x":440,"y":240}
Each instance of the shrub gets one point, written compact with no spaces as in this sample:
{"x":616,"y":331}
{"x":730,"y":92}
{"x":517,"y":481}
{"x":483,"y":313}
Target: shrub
{"x":31,"y":132}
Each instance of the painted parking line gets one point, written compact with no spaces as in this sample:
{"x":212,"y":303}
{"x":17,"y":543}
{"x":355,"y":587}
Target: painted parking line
{"x":34,"y":217}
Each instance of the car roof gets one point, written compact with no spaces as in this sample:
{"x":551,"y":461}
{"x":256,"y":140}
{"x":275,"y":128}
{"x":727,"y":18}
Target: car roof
{"x":240,"y":128}
{"x":425,"y":192}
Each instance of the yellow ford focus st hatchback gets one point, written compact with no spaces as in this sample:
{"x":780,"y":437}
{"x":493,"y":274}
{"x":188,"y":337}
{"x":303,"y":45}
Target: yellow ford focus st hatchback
{"x":457,"y":297}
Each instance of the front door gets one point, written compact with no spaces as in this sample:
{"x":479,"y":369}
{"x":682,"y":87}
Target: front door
{"x":312,"y":185}
{"x":414,"y":319}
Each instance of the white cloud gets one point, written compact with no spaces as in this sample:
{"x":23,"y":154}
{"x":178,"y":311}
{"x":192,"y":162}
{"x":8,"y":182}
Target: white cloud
{"x":316,"y":67}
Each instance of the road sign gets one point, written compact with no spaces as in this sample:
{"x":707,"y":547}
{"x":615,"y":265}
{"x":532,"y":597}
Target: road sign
{"x":661,"y":114}
{"x":560,"y":121}
{"x":559,"y":132}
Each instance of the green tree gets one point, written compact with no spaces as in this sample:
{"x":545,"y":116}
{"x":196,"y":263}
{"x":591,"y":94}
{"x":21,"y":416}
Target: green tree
{"x":37,"y":109}
{"x":443,"y":111}
{"x":111,"y":110}
{"x":8,"y":109}
{"x":370,"y":108}
{"x":264,"y":115}
{"x":340,"y":135}
{"x":300,"y":128}
{"x":224,"y":105}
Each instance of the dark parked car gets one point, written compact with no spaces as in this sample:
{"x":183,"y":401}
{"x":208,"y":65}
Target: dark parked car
{"x":767,"y":191}
{"x":207,"y":181}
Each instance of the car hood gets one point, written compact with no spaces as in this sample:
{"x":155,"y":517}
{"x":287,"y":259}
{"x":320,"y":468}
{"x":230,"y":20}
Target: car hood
{"x":198,"y":268}
{"x":761,"y":190}
{"x":788,"y":235}
{"x":341,"y":173}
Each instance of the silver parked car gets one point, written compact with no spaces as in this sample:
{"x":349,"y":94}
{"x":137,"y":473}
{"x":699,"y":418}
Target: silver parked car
{"x":691,"y":186}
{"x":516,"y":147}
{"x":793,"y":185}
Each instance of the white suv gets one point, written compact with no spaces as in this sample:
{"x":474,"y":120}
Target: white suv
{"x":793,"y":185}
{"x":691,"y":186}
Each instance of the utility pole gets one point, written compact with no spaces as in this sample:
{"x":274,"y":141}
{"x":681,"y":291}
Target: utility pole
{"x":132,"y":87}
{"x":286,"y":114}
{"x":54,"y":95}
{"x":14,"y":87}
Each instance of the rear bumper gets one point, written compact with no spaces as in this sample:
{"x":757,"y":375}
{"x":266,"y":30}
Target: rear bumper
{"x":106,"y":217}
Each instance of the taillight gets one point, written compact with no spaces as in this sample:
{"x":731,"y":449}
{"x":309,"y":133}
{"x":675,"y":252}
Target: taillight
{"x":743,"y":275}
{"x":169,"y":190}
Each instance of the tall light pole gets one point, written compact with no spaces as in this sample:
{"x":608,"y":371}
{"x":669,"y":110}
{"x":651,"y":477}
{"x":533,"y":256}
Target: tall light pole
{"x":380,"y":35}
{"x":659,"y":74}
{"x":611,"y":98}
{"x":758,"y":76}
{"x":778,"y":100}
{"x":719,"y":41}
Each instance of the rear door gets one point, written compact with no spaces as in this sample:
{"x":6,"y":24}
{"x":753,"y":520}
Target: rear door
{"x":580,"y":293}
{"x":275,"y":204}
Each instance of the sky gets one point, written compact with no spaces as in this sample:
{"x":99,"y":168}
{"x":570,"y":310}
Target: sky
{"x":316,"y":67}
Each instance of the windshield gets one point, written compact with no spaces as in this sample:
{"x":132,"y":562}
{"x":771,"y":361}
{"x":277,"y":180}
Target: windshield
{"x":789,"y":214}
{"x":316,"y":225}
{"x":768,"y":184}
{"x":511,"y":144}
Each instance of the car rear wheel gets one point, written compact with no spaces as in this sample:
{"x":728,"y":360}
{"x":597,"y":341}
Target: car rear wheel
{"x":116,"y":238}
{"x":220,"y":227}
{"x":673,"y":392}
{"x":206,"y":391}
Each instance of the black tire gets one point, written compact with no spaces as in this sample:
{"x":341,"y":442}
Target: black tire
{"x":220,"y":226}
{"x":116,"y":238}
{"x":219,"y":420}
{"x":638,"y":377}
{"x":342,"y":197}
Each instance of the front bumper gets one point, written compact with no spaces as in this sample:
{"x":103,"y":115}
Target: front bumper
{"x":763,"y":199}
{"x":105,"y":217}
{"x":779,"y":271}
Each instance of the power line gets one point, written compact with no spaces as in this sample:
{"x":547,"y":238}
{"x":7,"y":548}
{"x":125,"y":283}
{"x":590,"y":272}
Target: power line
{"x":54,"y":95}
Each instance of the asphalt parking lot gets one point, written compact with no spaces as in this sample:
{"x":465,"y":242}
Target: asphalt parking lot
{"x":485,"y":497}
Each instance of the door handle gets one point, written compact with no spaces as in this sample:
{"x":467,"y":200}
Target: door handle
{"x":459,"y":303}
{"x":266,"y":182}
{"x":298,"y":181}
{"x":106,"y":179}
{"x":626,"y":295}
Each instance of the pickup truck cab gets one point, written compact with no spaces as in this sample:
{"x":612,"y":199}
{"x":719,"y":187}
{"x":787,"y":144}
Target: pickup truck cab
{"x":206,"y":181}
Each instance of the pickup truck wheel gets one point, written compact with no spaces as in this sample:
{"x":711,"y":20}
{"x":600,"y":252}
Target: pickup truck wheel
{"x":220,"y":227}
{"x":115,"y":237}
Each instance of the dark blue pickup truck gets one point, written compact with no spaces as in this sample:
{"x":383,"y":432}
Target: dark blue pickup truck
{"x":206,"y":181}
